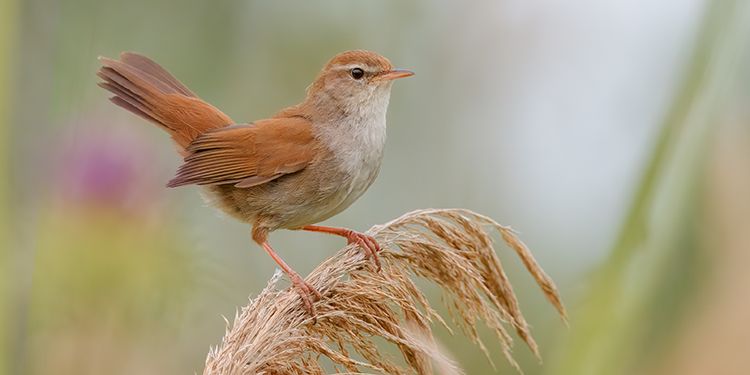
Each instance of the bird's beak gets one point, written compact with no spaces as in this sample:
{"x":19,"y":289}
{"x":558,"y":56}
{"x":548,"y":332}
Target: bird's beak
{"x":394,"y":74}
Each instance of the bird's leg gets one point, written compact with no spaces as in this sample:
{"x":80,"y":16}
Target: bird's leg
{"x":367,"y":243}
{"x":307,"y":292}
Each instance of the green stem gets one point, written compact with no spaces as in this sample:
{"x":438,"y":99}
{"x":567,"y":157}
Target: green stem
{"x":8,"y":17}
{"x":605,"y":330}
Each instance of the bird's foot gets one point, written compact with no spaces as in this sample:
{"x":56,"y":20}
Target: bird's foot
{"x":308,"y":294}
{"x":305,"y":290}
{"x":367,"y":243}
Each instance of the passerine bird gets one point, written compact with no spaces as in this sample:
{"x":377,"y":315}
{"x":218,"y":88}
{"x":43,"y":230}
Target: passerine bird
{"x":304,"y":165}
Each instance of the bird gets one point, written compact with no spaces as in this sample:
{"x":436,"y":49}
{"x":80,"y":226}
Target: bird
{"x":301,"y":166}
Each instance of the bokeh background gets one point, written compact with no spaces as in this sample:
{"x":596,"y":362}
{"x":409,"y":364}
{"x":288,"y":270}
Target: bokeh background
{"x":614,"y":135}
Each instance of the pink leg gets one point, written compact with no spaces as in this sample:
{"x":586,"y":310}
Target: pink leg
{"x":307,"y":292}
{"x":367,"y":243}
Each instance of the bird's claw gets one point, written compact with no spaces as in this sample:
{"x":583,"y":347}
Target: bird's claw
{"x":308,"y":294}
{"x":368,"y":244}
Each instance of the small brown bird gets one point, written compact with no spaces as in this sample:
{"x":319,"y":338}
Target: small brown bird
{"x":305,"y":164}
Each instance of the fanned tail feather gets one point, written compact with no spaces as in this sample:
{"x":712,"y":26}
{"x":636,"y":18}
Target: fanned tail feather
{"x":146,"y":89}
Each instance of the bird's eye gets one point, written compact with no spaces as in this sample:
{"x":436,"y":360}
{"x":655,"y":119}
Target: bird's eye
{"x":357,"y":73}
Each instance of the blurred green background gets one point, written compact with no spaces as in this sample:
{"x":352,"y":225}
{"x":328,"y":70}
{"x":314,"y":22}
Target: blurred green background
{"x":612,"y":134}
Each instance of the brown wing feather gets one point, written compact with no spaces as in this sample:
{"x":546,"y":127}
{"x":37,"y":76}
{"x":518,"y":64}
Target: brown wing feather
{"x":143,"y":87}
{"x":248,"y":155}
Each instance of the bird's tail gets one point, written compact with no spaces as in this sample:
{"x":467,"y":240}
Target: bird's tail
{"x":143,"y":87}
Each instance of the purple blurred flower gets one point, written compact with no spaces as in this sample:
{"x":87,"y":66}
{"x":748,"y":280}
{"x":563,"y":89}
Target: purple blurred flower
{"x":107,"y":168}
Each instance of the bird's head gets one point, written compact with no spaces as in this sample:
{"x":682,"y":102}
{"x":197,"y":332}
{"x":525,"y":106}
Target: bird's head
{"x":355,"y":79}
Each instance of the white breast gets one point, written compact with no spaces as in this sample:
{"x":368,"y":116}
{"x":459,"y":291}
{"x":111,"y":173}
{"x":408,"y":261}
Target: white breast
{"x":357,"y":141}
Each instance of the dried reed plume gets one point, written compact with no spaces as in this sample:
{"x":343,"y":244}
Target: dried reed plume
{"x":452,"y":248}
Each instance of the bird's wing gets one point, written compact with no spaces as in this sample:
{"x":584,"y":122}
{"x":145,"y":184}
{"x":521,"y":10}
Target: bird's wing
{"x":248,"y":155}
